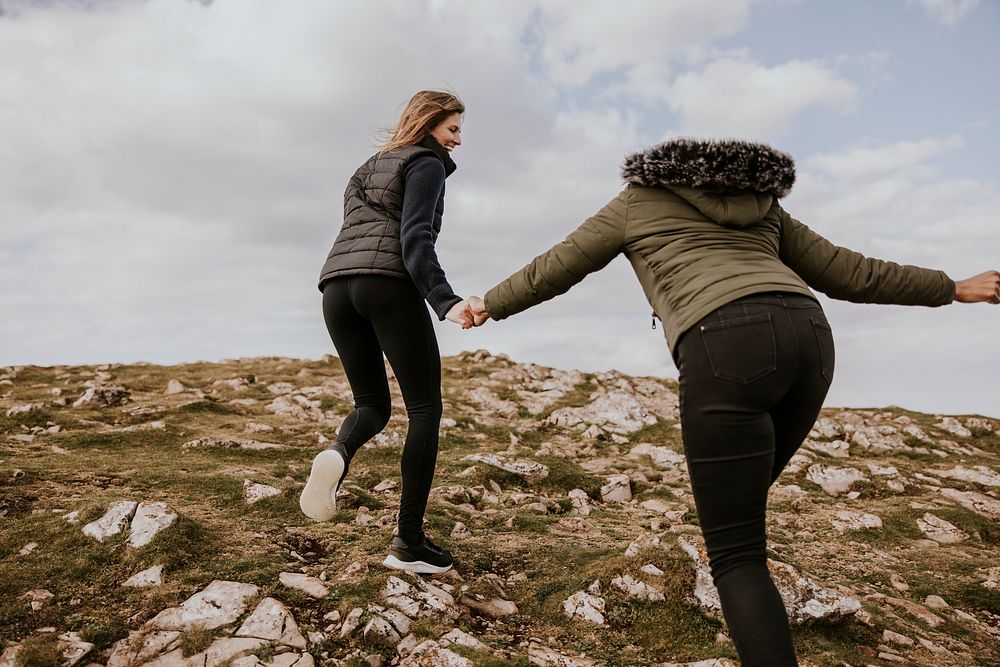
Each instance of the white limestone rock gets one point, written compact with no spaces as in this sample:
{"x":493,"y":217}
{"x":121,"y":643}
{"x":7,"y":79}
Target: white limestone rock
{"x":637,"y":589}
{"x":271,"y":620}
{"x":836,"y":448}
{"x":152,"y":576}
{"x":351,"y":622}
{"x":546,"y":656}
{"x":72,"y":648}
{"x":939,"y":530}
{"x":826,"y":428}
{"x":430,"y":653}
{"x":953,"y":426}
{"x":586,"y":607}
{"x":849,"y":520}
{"x":37,"y":598}
{"x":175,"y":387}
{"x":833,"y":480}
{"x":254,"y":492}
{"x":663,"y":457}
{"x":311,"y":586}
{"x":612,"y":411}
{"x":880,"y":439}
{"x":458,"y":636}
{"x":379,"y":632}
{"x":231,"y":443}
{"x":149,"y":520}
{"x":424,"y":602}
{"x":580,"y":501}
{"x":103,"y":395}
{"x":981,"y":475}
{"x":977,"y":502}
{"x":531,"y":471}
{"x":115,"y":519}
{"x":617,"y":488}
{"x":218,"y":604}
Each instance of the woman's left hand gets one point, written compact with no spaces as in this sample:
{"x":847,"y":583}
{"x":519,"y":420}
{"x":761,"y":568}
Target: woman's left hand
{"x":460,"y":314}
{"x":978,"y":288}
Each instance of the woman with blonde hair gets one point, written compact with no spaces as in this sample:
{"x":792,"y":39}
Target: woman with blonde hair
{"x":381,"y":271}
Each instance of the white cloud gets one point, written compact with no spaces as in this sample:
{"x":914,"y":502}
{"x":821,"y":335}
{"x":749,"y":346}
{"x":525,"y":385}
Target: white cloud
{"x":735,"y":96}
{"x":581,"y":39}
{"x":947,"y":12}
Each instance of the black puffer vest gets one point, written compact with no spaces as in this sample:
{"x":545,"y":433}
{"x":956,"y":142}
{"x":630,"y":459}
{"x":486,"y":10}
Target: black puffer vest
{"x":369,"y":241}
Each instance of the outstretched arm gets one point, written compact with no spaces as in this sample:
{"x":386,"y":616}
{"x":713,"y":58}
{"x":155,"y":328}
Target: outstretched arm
{"x":589,"y":248}
{"x":844,"y":274}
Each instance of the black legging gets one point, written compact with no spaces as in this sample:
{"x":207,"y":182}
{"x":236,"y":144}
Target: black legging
{"x":753,"y":376}
{"x":367,"y":315}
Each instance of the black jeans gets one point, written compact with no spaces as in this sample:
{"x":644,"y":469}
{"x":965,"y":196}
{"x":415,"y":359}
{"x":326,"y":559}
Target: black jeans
{"x":753,"y":376}
{"x":367,"y":315}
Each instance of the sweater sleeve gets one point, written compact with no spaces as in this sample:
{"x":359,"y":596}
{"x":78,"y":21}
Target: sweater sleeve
{"x":590,"y":247}
{"x":844,"y":274}
{"x":423,"y":184}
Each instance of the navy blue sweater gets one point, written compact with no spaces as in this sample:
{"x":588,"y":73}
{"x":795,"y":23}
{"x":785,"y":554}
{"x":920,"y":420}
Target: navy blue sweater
{"x":423,"y":183}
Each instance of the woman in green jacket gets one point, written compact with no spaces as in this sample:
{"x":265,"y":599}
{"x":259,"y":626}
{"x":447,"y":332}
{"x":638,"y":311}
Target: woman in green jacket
{"x":729,"y":273}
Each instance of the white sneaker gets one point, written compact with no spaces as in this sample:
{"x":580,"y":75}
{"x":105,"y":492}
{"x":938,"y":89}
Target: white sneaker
{"x":319,"y":497}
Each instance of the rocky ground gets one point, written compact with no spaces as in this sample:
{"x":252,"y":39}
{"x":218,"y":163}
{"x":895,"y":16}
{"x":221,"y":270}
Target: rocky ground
{"x":148,"y":515}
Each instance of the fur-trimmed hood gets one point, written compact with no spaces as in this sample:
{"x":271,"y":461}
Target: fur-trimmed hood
{"x":725,"y":165}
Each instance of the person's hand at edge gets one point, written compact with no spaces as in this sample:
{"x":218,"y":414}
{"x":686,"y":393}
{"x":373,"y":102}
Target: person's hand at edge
{"x":477,"y":307}
{"x":982,"y":287}
{"x":461,"y":314}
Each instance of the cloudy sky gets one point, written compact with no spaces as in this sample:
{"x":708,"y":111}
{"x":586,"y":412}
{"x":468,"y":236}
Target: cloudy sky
{"x":171,"y":171}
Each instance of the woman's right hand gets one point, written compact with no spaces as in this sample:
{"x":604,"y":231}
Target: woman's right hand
{"x":979,"y":288}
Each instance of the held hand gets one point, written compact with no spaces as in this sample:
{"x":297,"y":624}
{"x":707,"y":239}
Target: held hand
{"x":478,"y":309}
{"x":460,"y":314}
{"x":982,"y":287}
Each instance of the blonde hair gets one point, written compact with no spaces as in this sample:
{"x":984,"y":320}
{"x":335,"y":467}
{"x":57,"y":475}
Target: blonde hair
{"x":423,"y":113}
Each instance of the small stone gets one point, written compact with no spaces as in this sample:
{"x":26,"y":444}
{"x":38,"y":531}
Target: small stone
{"x":637,"y":589}
{"x":311,"y":586}
{"x":152,"y":576}
{"x":936,"y":602}
{"x":457,"y":636}
{"x":833,"y":480}
{"x":37,"y":598}
{"x":115,"y":519}
{"x":953,"y":426}
{"x":271,"y":620}
{"x":585,"y":607}
{"x":27,"y":548}
{"x":254,"y":492}
{"x":847,"y":520}
{"x":940,"y":530}
{"x":379,"y":632}
{"x":616,"y":489}
{"x":352,"y":622}
{"x":493,"y":607}
{"x":531,"y":471}
{"x":150,"y":519}
{"x":175,"y":387}
{"x":651,"y":569}
{"x":460,"y":531}
{"x":896,"y":638}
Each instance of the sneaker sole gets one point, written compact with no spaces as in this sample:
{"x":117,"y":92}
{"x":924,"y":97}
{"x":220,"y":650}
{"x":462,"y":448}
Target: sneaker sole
{"x":317,"y":499}
{"x":416,"y":566}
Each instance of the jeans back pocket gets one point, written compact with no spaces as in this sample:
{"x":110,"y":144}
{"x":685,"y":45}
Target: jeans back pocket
{"x":824,"y":340}
{"x":741,"y":349}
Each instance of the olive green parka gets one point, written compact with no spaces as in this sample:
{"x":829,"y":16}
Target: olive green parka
{"x":701,"y":225}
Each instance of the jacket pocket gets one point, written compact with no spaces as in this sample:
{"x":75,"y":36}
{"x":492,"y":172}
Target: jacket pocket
{"x":824,"y":341}
{"x":741,"y":349}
